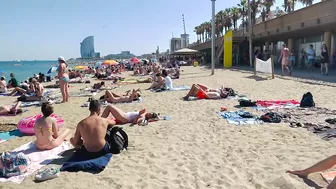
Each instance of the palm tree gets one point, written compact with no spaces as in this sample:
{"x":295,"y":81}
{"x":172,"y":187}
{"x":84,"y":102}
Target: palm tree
{"x":242,"y":6}
{"x":235,"y":16}
{"x":290,"y":5}
{"x":278,"y":12}
{"x":254,"y":10}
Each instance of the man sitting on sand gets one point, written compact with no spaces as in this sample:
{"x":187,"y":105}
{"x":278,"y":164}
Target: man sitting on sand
{"x":89,"y":138}
{"x":122,"y":117}
{"x":320,"y":166}
{"x":204,"y":92}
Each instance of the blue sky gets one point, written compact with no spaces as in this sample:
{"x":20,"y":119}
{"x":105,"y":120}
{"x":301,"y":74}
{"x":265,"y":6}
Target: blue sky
{"x":44,"y":29}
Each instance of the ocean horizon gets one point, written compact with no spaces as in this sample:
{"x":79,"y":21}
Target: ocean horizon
{"x":25,"y":69}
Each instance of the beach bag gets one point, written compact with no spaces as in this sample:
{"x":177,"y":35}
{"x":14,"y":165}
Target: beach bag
{"x":307,"y":100}
{"x":117,"y":139}
{"x":247,"y":103}
{"x":271,"y":117}
{"x":13,"y":164}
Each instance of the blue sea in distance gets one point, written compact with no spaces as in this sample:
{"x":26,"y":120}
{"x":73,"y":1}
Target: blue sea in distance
{"x":25,"y":69}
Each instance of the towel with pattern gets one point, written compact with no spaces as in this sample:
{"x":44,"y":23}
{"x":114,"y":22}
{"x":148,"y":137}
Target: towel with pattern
{"x":240,"y":117}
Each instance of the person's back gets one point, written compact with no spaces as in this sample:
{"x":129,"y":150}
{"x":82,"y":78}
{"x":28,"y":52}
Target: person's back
{"x":43,"y":132}
{"x":93,"y":131}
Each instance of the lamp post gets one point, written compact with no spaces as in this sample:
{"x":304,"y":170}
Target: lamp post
{"x":250,"y":30}
{"x":213,"y":38}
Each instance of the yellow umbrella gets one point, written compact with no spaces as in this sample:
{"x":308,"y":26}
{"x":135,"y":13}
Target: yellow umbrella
{"x":81,"y":67}
{"x":110,"y":62}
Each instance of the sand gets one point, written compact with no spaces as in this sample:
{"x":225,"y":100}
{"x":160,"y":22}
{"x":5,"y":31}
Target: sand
{"x":197,"y":148}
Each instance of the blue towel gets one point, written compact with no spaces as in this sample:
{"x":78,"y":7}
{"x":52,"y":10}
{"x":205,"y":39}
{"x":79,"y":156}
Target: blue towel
{"x":81,"y":163}
{"x":11,"y":134}
{"x":235,"y":117}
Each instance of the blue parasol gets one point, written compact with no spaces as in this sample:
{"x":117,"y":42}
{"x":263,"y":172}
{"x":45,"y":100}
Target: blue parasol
{"x":52,"y":69}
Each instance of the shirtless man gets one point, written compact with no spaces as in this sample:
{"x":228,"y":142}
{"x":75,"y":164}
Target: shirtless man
{"x":89,"y":138}
{"x":285,"y":59}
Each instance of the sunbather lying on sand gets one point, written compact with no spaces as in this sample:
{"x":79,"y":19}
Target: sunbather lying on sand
{"x":204,"y":92}
{"x":320,"y":166}
{"x":89,"y":138}
{"x":48,"y":136}
{"x":122,"y":117}
{"x":35,"y":91}
{"x":11,"y":110}
{"x":114,"y":98}
{"x":98,"y":85}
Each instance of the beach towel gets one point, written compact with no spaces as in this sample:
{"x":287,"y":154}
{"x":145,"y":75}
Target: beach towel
{"x":37,"y":158}
{"x":329,"y":176}
{"x":83,"y":94}
{"x":7,"y":94}
{"x":80,"y":162}
{"x":176,"y":88}
{"x":28,"y":104}
{"x":4,"y":136}
{"x":239,"y":117}
{"x":276,"y":104}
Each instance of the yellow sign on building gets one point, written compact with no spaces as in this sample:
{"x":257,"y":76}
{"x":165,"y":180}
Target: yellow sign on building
{"x":228,"y":49}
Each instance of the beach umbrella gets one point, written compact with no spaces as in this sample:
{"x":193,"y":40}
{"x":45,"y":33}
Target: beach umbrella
{"x":81,"y":67}
{"x":110,"y":62}
{"x":52,"y":69}
{"x":135,"y":60}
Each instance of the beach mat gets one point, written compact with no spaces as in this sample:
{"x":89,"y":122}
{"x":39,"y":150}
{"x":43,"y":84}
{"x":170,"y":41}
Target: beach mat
{"x":38,"y":158}
{"x":176,"y":88}
{"x":4,"y":136}
{"x":329,"y":176}
{"x":239,"y":117}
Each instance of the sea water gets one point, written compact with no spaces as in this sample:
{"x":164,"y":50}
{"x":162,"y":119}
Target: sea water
{"x":25,"y":69}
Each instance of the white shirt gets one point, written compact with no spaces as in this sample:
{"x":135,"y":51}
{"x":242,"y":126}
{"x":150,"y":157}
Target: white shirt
{"x":168,"y":83}
{"x":3,"y":86}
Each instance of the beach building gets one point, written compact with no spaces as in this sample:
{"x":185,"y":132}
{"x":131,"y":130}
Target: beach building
{"x":177,"y":43}
{"x":315,"y":24}
{"x":87,"y":47}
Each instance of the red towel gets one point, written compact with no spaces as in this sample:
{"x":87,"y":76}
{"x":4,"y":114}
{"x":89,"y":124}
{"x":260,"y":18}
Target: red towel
{"x":268,"y":103}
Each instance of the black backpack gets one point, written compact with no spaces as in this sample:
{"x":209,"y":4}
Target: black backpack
{"x":307,"y":100}
{"x":117,"y":139}
{"x":271,"y":117}
{"x":247,"y":103}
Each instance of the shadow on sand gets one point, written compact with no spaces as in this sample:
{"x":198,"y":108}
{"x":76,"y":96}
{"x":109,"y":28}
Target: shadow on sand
{"x":258,"y":78}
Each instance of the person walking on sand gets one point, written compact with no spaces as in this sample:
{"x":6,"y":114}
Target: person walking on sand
{"x":318,"y":167}
{"x":324,"y":59}
{"x":63,"y":78}
{"x":284,"y":56}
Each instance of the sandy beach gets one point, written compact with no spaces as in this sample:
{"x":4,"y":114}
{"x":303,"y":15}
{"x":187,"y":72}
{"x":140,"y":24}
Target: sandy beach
{"x":197,"y":148}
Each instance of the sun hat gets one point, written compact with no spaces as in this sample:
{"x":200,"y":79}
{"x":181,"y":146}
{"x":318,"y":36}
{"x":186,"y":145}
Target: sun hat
{"x":61,"y":58}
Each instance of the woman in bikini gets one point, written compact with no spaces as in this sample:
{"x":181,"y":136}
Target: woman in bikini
{"x":10,"y":110}
{"x":122,"y":117}
{"x":63,"y":78}
{"x":204,"y":92}
{"x":114,"y":98}
{"x":47,"y":134}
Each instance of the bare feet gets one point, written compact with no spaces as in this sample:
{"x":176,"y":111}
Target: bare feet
{"x":298,"y":173}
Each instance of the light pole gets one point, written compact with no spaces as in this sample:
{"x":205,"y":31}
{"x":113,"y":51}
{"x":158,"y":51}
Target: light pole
{"x":213,"y":37}
{"x":250,"y":30}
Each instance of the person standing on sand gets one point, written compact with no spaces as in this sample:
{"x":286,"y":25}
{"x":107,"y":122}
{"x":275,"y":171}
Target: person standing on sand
{"x":63,"y":78}
{"x":311,"y":57}
{"x":320,"y":166}
{"x":324,"y":59}
{"x":284,"y":56}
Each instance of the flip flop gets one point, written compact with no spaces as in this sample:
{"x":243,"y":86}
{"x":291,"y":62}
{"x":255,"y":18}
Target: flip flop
{"x":47,"y":174}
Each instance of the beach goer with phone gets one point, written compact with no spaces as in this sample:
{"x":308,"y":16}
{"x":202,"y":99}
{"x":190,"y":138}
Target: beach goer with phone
{"x":63,"y":78}
{"x":48,"y":136}
{"x":284,"y":56}
{"x":11,"y":110}
{"x":89,"y":138}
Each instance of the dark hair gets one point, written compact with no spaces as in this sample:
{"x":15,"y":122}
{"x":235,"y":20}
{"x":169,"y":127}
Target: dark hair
{"x":30,"y":79}
{"x":102,"y":83}
{"x":311,"y":45}
{"x":12,"y":75}
{"x":13,"y":112}
{"x":2,"y":78}
{"x":164,"y":73}
{"x":47,"y":109}
{"x":158,"y":75}
{"x":94,"y":106}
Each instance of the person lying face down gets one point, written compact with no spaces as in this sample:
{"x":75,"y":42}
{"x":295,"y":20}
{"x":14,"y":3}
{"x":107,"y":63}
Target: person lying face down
{"x":11,"y":110}
{"x":122,"y":117}
{"x":89,"y":138}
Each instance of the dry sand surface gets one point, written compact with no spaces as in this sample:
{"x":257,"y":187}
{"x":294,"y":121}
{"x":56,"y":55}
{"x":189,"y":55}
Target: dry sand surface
{"x":197,"y":148}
